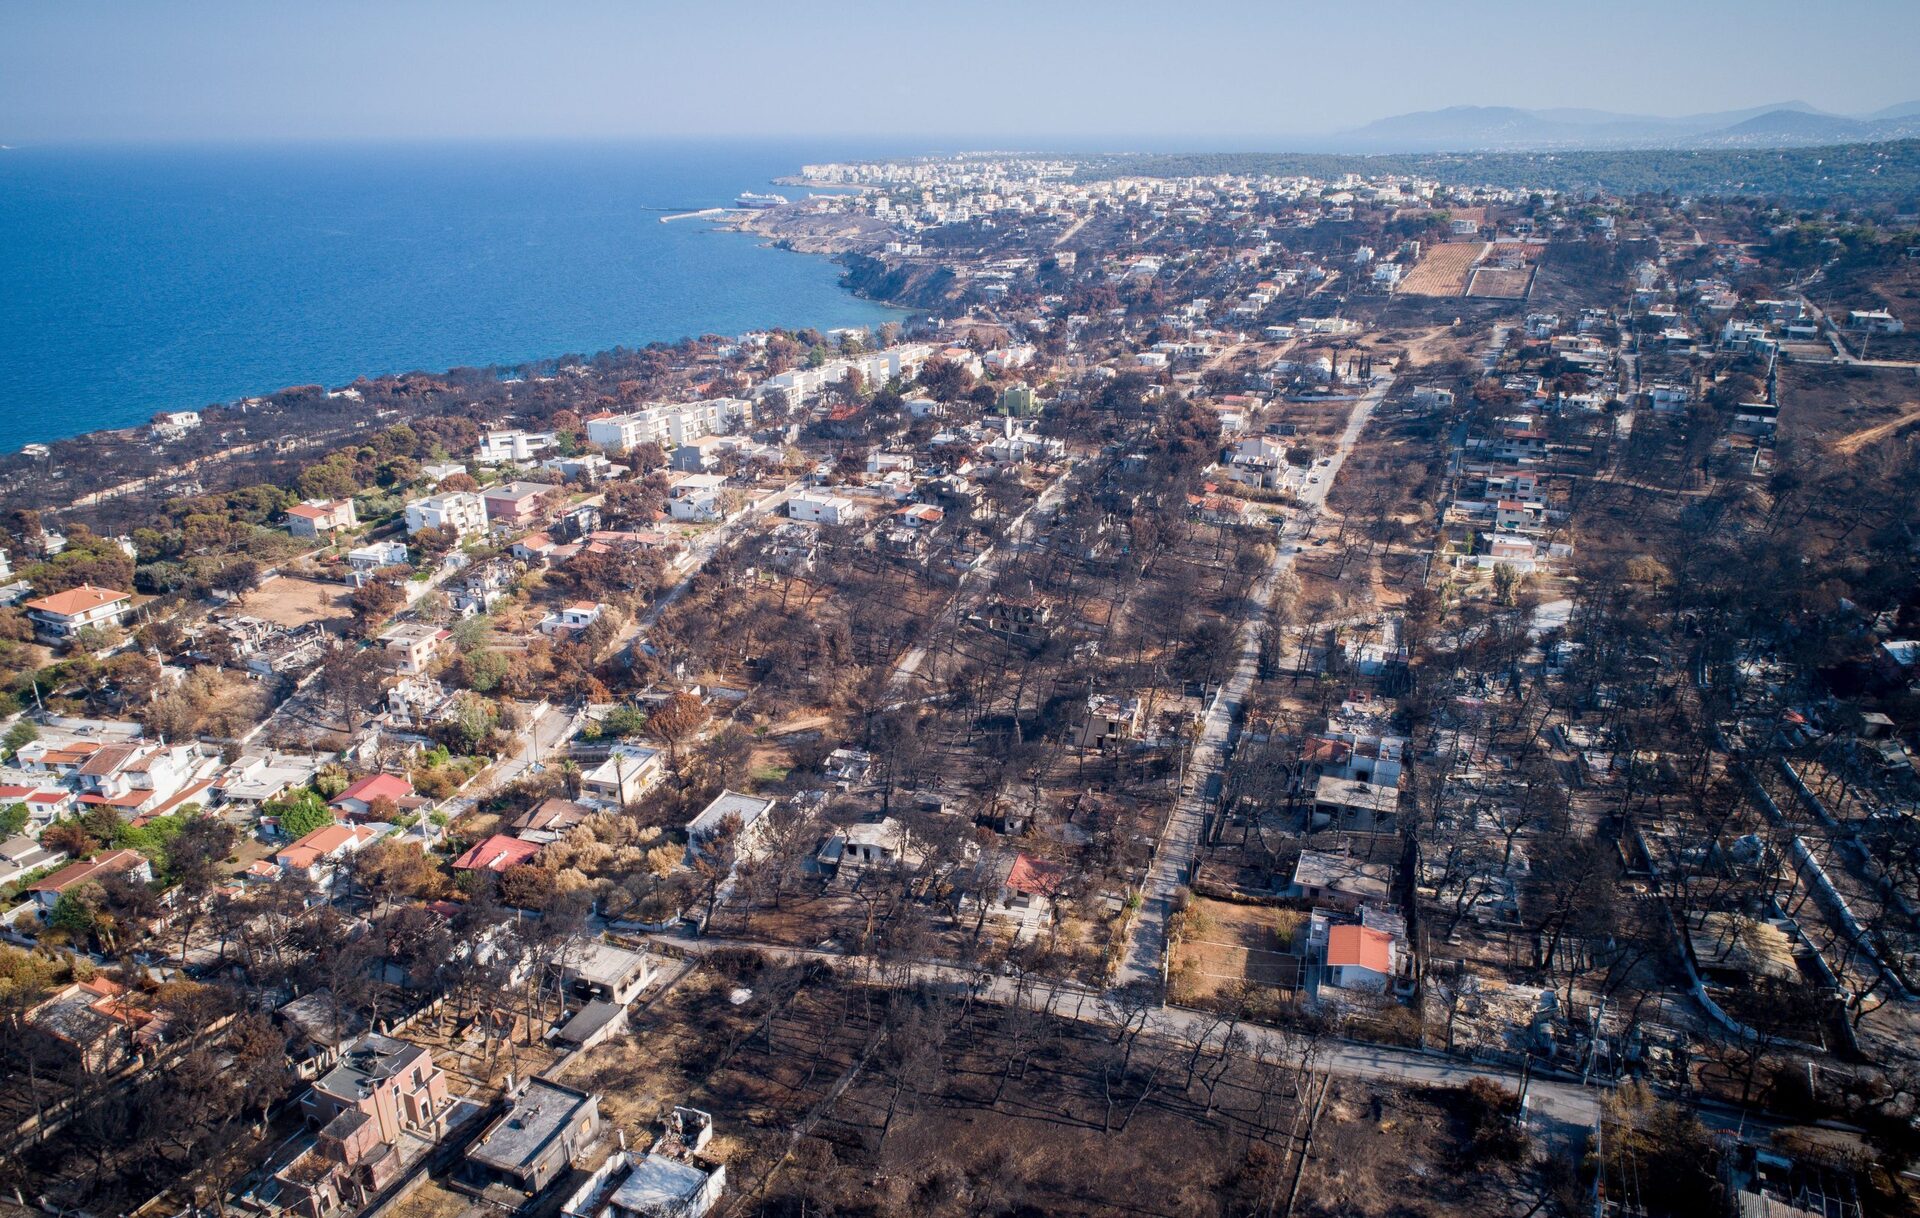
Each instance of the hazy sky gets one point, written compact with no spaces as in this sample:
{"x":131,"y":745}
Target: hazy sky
{"x":1127,"y":72}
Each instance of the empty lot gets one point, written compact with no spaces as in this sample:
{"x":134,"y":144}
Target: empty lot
{"x":1225,"y":945}
{"x":289,"y":600}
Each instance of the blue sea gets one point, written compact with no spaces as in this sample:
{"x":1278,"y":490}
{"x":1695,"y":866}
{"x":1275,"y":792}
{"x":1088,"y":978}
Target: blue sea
{"x":139,"y":280}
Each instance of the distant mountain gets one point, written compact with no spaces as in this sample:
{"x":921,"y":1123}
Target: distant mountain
{"x":1477,"y":125}
{"x":1700,"y":122}
{"x":1902,"y":110}
{"x":1798,"y":126}
{"x":1512,"y":129}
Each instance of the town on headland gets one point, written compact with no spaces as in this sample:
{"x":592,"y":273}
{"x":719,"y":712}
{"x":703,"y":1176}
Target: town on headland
{"x":1280,"y":686}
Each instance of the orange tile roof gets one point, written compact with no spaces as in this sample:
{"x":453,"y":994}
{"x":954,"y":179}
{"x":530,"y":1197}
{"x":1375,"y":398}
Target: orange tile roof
{"x":497,"y":853}
{"x":130,"y":799}
{"x":321,"y":843}
{"x":1035,"y":878}
{"x":373,"y":786}
{"x":73,"y":873}
{"x":76,"y":601}
{"x":1360,"y":947}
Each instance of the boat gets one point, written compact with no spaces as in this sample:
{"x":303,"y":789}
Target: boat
{"x":749,"y":199}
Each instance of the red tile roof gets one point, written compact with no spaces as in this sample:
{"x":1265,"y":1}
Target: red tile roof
{"x":1035,"y":878}
{"x":322,"y":843}
{"x":110,"y":863}
{"x":497,"y":853}
{"x":374,"y":786}
{"x":1360,"y":947}
{"x":76,"y":601}
{"x":108,"y":759}
{"x":131,"y":799}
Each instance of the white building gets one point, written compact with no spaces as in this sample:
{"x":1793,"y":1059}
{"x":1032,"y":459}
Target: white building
{"x":465,"y":512}
{"x":363,"y":561}
{"x":571,"y":619}
{"x":804,"y":384}
{"x":629,"y":772}
{"x":669,"y":424}
{"x":173,"y":424}
{"x":748,"y":811}
{"x":822,"y":509}
{"x":411,"y":646}
{"x":318,"y":517}
{"x":502,"y":447}
{"x":65,"y":614}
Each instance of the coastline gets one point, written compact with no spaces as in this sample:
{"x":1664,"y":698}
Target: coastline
{"x":334,"y":417}
{"x":796,"y":180}
{"x":488,"y":264}
{"x":798,"y":231}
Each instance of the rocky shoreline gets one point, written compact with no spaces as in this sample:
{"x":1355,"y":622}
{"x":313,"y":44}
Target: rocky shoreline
{"x":855,"y":243}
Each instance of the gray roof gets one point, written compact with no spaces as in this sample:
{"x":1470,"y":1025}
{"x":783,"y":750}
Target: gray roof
{"x":316,"y":1018}
{"x":589,"y":1020}
{"x":748,"y":808}
{"x":366,"y":1062}
{"x":659,"y":1185}
{"x":1342,"y":874}
{"x":20,"y":855}
{"x":516,"y":491}
{"x":542,"y":1112}
{"x":1350,"y":793}
{"x":604,"y":964}
{"x":74,"y":1020}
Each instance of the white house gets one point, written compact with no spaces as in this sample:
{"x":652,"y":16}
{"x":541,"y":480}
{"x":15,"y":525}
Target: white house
{"x":748,"y":810}
{"x":65,"y":614}
{"x":629,"y":772}
{"x":504,"y":447}
{"x":411,"y":646}
{"x":363,"y":561}
{"x":318,"y":854}
{"x":571,"y":619}
{"x":319,"y":517}
{"x":822,"y":509}
{"x":172,"y":424}
{"x":1874,"y":321}
{"x":465,"y":512}
{"x":1360,"y":958}
{"x":1257,"y":461}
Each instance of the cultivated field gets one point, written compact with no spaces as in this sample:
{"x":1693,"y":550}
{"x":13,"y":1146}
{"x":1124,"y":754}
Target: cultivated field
{"x":1443,"y":269}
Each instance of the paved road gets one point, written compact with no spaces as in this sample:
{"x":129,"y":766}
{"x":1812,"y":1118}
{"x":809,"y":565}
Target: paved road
{"x":552,"y":727}
{"x":1551,"y":1101}
{"x":984,"y":569}
{"x":1146,"y":949}
{"x":703,"y":549}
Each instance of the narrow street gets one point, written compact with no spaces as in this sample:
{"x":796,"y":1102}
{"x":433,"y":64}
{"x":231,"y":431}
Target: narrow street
{"x":984,"y":568}
{"x":703,"y":549}
{"x":1144,"y":960}
{"x":1552,"y":1101}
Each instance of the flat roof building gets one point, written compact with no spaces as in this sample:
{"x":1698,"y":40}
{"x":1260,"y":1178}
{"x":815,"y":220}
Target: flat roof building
{"x":536,"y":1139}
